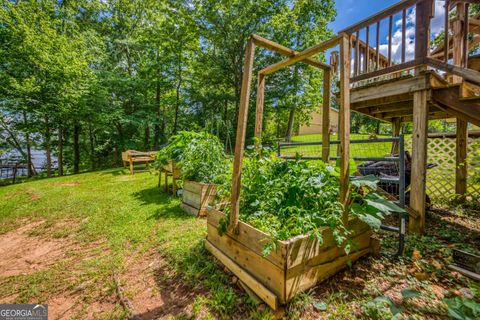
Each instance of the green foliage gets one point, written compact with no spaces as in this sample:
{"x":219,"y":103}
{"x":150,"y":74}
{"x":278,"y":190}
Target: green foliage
{"x":476,"y":162}
{"x":462,"y":308}
{"x":200,"y":156}
{"x":288,"y":198}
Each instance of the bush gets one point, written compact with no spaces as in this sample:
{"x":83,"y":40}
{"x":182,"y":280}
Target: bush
{"x":199,"y":155}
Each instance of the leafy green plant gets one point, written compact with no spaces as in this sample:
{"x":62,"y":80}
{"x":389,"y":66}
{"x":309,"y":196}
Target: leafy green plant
{"x":199,"y":155}
{"x":462,"y":308}
{"x":288,"y":198}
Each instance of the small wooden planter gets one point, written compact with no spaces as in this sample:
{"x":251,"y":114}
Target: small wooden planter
{"x":295,"y":265}
{"x":197,"y":196}
{"x":170,"y":170}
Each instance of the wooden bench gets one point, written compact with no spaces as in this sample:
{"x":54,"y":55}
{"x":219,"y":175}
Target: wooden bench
{"x":131,"y":156}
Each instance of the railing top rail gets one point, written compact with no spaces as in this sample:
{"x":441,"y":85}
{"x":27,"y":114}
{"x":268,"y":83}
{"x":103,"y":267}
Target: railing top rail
{"x":405,"y":4}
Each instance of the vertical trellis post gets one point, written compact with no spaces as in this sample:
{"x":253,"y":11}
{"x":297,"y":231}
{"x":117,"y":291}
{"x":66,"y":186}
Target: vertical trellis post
{"x":344,"y":125}
{"x":259,"y":108}
{"x":240,"y":138}
{"x":327,"y":76}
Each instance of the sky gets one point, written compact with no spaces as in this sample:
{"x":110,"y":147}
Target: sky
{"x":350,"y":12}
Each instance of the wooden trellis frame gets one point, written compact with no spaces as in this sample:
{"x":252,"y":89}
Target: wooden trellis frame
{"x":341,"y":40}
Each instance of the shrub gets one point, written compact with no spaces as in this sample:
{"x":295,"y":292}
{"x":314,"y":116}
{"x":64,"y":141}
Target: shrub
{"x":199,"y":155}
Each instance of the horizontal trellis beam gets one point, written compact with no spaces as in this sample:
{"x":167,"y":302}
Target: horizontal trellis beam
{"x":276,"y":47}
{"x":302,"y":55}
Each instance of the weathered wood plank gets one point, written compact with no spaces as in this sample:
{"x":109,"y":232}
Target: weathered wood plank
{"x":253,"y":239}
{"x":302,"y":55}
{"x":461,"y":158}
{"x":241,"y":131}
{"x":327,"y":78}
{"x":265,"y":272}
{"x":419,"y":161}
{"x":263,"y":292}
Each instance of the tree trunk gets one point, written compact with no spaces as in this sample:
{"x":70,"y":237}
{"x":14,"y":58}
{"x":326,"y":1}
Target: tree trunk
{"x":60,"y":151}
{"x":377,"y":128}
{"x":30,"y":168}
{"x":147,"y":137}
{"x":76,"y":148}
{"x":291,"y":120}
{"x":177,"y":105}
{"x":93,"y":163}
{"x":48,"y":146}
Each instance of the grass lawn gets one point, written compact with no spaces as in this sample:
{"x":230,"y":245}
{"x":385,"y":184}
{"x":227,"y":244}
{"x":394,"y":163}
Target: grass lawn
{"x":378,"y":149}
{"x":70,"y":241}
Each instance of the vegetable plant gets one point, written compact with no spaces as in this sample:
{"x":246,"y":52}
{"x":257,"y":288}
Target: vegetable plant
{"x":199,"y":155}
{"x":286,"y":198}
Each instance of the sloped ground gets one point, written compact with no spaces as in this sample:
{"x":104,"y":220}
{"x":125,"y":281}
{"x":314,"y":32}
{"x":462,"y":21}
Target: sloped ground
{"x":72,"y":241}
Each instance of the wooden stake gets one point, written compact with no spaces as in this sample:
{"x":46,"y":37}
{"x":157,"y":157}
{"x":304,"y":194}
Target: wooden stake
{"x":461,"y":157}
{"x":240,"y":138}
{"x":419,"y":160}
{"x":344,"y":125}
{"x":327,"y":78}
{"x":259,"y":108}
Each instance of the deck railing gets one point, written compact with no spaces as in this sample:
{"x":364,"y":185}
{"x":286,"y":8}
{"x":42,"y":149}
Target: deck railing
{"x":368,"y":60}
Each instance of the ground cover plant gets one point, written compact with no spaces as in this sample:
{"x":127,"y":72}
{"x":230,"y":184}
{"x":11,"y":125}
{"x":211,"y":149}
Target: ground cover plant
{"x":200,"y":156}
{"x":286,"y":198}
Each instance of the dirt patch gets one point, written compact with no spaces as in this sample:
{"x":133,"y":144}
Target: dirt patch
{"x":23,"y":254}
{"x":33,"y":195}
{"x":68,"y":184}
{"x":154,"y":290}
{"x":73,"y":306}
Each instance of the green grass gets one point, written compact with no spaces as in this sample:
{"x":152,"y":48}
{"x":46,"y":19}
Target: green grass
{"x":121,"y":215}
{"x":378,"y":149}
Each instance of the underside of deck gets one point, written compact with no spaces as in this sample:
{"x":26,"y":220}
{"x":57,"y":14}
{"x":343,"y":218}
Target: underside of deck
{"x":393,"y":98}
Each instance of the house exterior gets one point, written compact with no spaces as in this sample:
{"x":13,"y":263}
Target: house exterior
{"x":315,"y":124}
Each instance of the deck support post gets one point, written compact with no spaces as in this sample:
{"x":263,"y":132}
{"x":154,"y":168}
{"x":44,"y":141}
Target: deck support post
{"x":240,"y":138}
{"x":461,"y":157}
{"x":259,"y":109}
{"x":326,"y":116}
{"x":419,"y":161}
{"x":344,"y":125}
{"x":396,"y":126}
{"x":459,"y":31}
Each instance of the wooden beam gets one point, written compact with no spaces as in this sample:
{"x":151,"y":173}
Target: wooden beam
{"x":419,"y":161}
{"x":273,"y":46}
{"x":467,"y":74}
{"x":240,"y":138}
{"x":391,"y":88}
{"x":326,"y":115}
{"x":423,"y":13}
{"x":344,"y":125}
{"x":393,"y":69}
{"x":450,"y":97}
{"x":459,"y":32}
{"x":461,"y":158}
{"x":302,"y":55}
{"x":260,"y":290}
{"x":259,"y":109}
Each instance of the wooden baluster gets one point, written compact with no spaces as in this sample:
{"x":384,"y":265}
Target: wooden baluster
{"x":367,"y":50}
{"x":445,"y":38}
{"x":390,"y":28}
{"x":377,"y":63}
{"x":356,"y":61}
{"x":404,"y":33}
{"x":465,"y":37}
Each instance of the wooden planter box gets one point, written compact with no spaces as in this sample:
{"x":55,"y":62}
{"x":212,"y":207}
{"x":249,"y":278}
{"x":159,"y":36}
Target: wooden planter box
{"x":197,"y":196}
{"x":295,"y":265}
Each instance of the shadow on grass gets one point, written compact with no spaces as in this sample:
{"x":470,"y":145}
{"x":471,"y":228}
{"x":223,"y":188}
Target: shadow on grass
{"x":153,"y":195}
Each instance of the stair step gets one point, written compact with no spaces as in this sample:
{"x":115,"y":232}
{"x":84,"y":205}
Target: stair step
{"x":469,"y":91}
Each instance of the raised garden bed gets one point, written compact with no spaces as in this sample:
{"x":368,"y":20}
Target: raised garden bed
{"x":197,"y":196}
{"x":296,"y":265}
